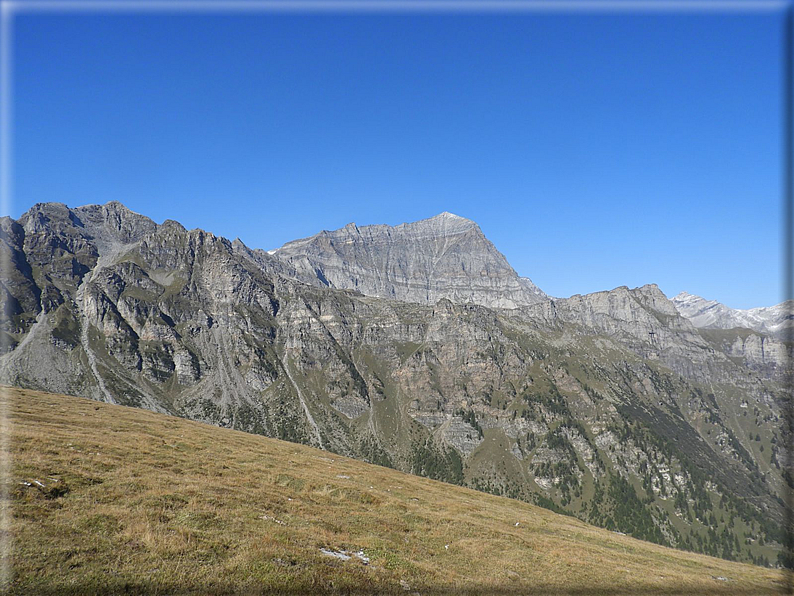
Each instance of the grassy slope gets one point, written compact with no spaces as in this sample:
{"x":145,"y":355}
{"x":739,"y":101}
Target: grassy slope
{"x":157,"y":504}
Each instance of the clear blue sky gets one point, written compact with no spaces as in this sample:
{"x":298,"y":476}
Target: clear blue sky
{"x":594,"y":150}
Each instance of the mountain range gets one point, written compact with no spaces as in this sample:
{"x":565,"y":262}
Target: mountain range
{"x":417,"y":347}
{"x":709,"y":314}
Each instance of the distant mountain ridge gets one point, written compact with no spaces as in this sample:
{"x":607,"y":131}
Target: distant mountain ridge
{"x":446,"y":256}
{"x":710,"y":314}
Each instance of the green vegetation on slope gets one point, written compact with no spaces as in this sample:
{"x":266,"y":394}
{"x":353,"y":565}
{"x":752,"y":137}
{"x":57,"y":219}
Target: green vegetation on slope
{"x":108,"y":499}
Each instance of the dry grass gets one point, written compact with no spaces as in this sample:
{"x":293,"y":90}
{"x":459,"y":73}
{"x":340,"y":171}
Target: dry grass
{"x":136,"y":502}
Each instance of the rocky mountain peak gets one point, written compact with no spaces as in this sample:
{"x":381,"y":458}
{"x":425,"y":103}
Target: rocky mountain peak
{"x":48,"y":216}
{"x":443,"y":224}
{"x":113,"y":223}
{"x":445,"y":256}
{"x":175,"y":225}
{"x":105,"y":226}
{"x":450,"y":218}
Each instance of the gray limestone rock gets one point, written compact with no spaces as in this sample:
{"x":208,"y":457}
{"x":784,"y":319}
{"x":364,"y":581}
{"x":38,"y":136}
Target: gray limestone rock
{"x":446,"y":256}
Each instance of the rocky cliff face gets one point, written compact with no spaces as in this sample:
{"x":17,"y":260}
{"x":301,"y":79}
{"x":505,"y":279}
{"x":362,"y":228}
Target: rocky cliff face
{"x":610,"y":406}
{"x":446,"y":256}
{"x":761,"y":337}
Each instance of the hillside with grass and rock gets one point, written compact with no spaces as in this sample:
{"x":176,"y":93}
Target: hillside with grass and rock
{"x":114,"y":500}
{"x":415,"y":347}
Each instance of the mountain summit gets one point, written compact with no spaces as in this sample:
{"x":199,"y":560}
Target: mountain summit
{"x":445,"y":256}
